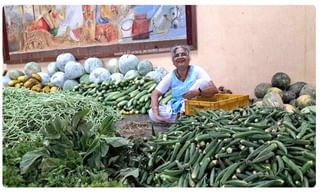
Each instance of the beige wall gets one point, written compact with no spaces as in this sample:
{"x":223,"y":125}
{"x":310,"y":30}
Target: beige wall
{"x":241,"y":46}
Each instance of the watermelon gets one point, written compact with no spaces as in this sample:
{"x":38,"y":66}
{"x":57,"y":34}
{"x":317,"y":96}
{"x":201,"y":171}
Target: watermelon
{"x":5,"y":80}
{"x":70,"y":84}
{"x":13,"y":74}
{"x":63,"y":59}
{"x":144,"y":67}
{"x":157,"y":76}
{"x":58,"y":79}
{"x":84,"y":78}
{"x":131,"y":74}
{"x":116,"y":76}
{"x":73,"y":70}
{"x":32,"y":68}
{"x":128,"y":62}
{"x":92,"y":63}
{"x":113,"y":66}
{"x":45,"y":77}
{"x":52,"y":68}
{"x":99,"y":74}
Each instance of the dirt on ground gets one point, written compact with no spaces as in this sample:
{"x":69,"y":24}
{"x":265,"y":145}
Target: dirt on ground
{"x":139,"y":126}
{"x":133,"y":129}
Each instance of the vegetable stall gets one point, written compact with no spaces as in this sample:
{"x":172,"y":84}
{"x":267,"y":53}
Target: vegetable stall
{"x":59,"y":131}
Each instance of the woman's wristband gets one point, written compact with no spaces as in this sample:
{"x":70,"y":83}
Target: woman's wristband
{"x":200,"y":91}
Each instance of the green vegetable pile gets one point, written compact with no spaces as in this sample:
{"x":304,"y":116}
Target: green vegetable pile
{"x":245,"y":147}
{"x":70,"y":154}
{"x":26,"y":112}
{"x":63,"y":139}
{"x":130,"y":96}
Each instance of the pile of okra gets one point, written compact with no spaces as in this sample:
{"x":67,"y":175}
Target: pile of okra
{"x":245,"y":147}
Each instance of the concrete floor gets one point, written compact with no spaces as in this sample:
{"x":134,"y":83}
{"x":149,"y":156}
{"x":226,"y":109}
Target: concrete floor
{"x":158,"y":127}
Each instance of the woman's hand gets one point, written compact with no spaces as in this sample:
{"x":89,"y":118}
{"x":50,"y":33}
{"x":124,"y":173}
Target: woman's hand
{"x":159,"y":118}
{"x":191,"y":94}
{"x":223,"y":90}
{"x":155,"y":105}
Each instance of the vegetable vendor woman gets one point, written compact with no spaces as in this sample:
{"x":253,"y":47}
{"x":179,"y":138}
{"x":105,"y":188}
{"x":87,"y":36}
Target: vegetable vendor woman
{"x":185,"y":81}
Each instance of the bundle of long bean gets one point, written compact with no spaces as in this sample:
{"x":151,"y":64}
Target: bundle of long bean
{"x":244,"y":147}
{"x":25,"y":112}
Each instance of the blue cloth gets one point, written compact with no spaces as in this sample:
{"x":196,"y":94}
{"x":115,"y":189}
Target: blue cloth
{"x":178,"y":88}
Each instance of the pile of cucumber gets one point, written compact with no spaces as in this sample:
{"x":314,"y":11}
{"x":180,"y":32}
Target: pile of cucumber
{"x":130,"y":96}
{"x":245,"y":147}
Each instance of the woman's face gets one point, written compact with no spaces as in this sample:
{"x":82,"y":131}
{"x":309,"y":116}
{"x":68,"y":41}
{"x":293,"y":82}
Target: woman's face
{"x":181,"y":59}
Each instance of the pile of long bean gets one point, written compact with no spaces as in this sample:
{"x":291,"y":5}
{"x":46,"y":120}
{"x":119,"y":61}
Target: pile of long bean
{"x":25,"y":112}
{"x":245,"y":147}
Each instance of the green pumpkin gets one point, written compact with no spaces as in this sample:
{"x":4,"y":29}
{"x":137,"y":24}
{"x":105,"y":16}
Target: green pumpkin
{"x":296,"y":87}
{"x":275,"y":90}
{"x":288,"y":96}
{"x":308,"y":89}
{"x":304,"y":101}
{"x":280,"y":80}
{"x":261,"y":89}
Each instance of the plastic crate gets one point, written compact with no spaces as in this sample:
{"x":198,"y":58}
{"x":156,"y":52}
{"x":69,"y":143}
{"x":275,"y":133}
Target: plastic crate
{"x":218,"y":101}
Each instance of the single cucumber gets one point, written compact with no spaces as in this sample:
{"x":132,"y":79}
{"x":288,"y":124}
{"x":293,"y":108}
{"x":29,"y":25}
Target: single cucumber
{"x":134,"y":93}
{"x":125,"y":97}
{"x":140,"y":94}
{"x":122,"y":103}
{"x":152,"y":88}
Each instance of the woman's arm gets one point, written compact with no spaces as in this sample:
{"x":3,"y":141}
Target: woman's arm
{"x":155,"y":105}
{"x":209,"y":91}
{"x":206,"y":92}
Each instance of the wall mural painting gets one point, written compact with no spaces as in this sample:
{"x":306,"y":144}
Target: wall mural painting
{"x":45,"y":27}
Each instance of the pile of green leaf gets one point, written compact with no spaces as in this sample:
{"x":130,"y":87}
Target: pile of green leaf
{"x":26,"y":112}
{"x":70,"y":154}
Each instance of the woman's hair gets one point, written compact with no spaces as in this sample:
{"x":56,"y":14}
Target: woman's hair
{"x":185,"y":47}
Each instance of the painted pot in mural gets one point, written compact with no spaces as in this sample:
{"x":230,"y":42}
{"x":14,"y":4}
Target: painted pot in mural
{"x":41,"y":24}
{"x":140,"y":27}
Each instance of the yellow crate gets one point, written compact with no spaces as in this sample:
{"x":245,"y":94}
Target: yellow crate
{"x":218,"y":101}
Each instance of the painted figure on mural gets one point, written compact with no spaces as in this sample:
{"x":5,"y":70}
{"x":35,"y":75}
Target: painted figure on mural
{"x":89,"y":24}
{"x":72,"y":21}
{"x":52,"y":18}
{"x":107,"y":17}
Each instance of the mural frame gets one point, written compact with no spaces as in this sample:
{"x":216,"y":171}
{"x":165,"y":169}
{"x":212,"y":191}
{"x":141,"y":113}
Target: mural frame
{"x":102,"y":51}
